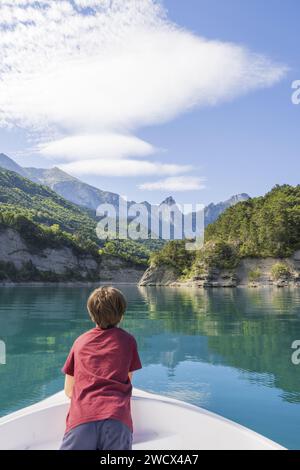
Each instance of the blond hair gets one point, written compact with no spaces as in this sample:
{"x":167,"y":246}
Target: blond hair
{"x":106,"y":306}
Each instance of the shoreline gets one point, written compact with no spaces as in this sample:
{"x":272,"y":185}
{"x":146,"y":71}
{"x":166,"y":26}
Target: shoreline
{"x":175,"y":285}
{"x":63,"y":283}
{"x":239,"y":286}
{"x":250,"y":272}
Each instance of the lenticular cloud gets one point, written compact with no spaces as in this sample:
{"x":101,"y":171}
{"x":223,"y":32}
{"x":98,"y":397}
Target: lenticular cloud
{"x":109,"y":67}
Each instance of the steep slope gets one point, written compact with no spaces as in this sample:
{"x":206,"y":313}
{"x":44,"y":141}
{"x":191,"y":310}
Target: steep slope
{"x":71,"y":188}
{"x":9,"y":164}
{"x":57,"y":233}
{"x":42,"y":205}
{"x":23,"y":203}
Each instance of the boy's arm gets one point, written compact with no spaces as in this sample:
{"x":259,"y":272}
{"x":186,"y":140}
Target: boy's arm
{"x":130,"y":375}
{"x":69,"y":384}
{"x":68,"y":370}
{"x":135,"y":359}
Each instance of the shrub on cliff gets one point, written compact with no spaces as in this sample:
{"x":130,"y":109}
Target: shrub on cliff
{"x":219,"y":255}
{"x":174,"y":254}
{"x":280,"y":270}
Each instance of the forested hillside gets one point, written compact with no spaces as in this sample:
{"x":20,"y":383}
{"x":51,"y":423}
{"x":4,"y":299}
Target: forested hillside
{"x":261,"y":227}
{"x":45,"y":218}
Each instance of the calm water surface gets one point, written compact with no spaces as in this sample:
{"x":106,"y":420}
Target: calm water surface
{"x":226,"y":350}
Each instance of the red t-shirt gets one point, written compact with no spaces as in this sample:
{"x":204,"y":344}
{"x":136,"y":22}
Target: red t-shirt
{"x":100,"y":361}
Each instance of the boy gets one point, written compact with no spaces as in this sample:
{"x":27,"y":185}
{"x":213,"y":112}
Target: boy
{"x":98,"y":378}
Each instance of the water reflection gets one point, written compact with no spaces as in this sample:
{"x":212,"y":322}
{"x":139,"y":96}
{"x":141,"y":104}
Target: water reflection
{"x":192,"y":343}
{"x":248,"y":329}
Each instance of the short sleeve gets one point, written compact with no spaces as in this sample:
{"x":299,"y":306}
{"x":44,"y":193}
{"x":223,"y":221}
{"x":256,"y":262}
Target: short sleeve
{"x":68,"y":368}
{"x":135,"y":358}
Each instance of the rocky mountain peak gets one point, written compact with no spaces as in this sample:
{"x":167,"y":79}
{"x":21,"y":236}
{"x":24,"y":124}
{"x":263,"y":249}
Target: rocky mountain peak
{"x":170,"y":201}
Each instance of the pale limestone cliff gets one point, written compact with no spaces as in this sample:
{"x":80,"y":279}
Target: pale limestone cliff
{"x":241,"y":276}
{"x":158,"y":276}
{"x":21,"y":262}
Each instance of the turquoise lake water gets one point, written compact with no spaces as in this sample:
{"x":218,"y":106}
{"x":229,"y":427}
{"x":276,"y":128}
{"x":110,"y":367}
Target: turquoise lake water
{"x":227,"y":350}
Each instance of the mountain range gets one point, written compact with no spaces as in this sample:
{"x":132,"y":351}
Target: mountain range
{"x":90,"y":197}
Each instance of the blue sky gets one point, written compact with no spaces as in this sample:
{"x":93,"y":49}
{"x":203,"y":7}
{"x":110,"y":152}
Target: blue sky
{"x":246,"y":144}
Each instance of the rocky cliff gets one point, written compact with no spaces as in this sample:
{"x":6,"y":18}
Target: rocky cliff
{"x":252,"y":272}
{"x":20,"y":262}
{"x":158,"y":276}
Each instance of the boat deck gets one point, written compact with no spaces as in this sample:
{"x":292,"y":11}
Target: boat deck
{"x":159,"y":423}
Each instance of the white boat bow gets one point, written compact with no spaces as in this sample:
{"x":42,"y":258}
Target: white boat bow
{"x":159,"y":423}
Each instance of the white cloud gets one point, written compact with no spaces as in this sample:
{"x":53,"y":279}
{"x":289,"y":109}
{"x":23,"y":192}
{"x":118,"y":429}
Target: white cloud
{"x":91,"y":3}
{"x":178,"y":183}
{"x":107,"y":71}
{"x":124,"y":167}
{"x":101,"y":146}
{"x":97,"y":81}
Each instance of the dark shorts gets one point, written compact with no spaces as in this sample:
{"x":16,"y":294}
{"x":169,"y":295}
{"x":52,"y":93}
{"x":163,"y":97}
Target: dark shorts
{"x":107,"y":434}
